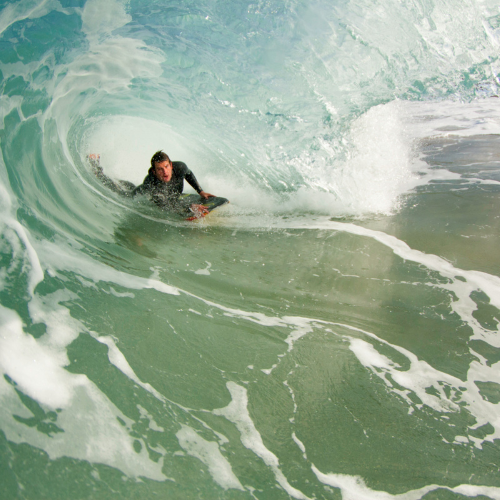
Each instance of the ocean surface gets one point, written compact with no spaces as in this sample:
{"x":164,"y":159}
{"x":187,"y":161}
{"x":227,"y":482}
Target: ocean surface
{"x":333,"y":332}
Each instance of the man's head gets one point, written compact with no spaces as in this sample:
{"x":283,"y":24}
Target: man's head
{"x":161,"y":166}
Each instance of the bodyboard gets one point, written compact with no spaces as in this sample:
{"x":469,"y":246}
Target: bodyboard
{"x":186,"y":200}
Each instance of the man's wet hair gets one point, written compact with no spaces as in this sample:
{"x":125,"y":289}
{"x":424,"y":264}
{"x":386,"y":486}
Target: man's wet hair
{"x":158,"y":157}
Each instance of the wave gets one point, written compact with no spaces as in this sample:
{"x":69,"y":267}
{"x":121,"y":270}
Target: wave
{"x":342,"y":311}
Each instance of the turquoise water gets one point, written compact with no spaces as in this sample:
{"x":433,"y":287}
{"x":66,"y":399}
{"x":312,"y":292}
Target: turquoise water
{"x":333,"y":332}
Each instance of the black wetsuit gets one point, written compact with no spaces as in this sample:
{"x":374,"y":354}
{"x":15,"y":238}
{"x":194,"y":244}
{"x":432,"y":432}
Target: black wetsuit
{"x":166,"y":194}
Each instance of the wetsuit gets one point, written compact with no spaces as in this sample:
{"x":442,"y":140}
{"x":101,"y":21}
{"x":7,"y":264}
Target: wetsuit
{"x":166,"y":194}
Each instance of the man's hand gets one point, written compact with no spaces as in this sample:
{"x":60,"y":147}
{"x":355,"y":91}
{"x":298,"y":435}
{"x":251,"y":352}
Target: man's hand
{"x":199,"y":210}
{"x":206,"y":195}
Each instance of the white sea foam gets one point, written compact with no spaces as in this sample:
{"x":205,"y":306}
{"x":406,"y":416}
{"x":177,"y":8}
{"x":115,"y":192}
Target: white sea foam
{"x":28,"y":9}
{"x":209,"y":453}
{"x":99,"y":19}
{"x":205,"y":272}
{"x":383,"y":162}
{"x":152,"y":423}
{"x":86,"y":427}
{"x":448,"y":118}
{"x":421,"y":376}
{"x":354,"y":488}
{"x":34,"y":367}
{"x":380,"y":167}
{"x":237,"y":413}
{"x":117,"y":359}
{"x":21,"y":238}
{"x":61,"y":257}
{"x":300,"y":444}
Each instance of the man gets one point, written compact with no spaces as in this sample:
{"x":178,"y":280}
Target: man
{"x":163,"y":184}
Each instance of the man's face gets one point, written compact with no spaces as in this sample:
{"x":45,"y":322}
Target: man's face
{"x":163,"y":170}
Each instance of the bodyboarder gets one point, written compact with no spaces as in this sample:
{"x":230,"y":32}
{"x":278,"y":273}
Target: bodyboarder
{"x":164,"y":183}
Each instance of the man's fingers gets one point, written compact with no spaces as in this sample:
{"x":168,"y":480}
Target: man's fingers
{"x":200,"y":209}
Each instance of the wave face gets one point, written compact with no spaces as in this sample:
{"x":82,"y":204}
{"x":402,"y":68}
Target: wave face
{"x":332,"y":332}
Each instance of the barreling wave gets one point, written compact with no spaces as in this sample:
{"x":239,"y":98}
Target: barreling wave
{"x":278,"y":349}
